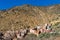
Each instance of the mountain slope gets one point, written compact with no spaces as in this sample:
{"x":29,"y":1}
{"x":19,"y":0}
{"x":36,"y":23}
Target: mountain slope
{"x":28,"y":16}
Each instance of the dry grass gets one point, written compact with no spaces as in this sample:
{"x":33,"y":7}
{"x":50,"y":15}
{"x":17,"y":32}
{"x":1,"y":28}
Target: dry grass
{"x":25,"y":16}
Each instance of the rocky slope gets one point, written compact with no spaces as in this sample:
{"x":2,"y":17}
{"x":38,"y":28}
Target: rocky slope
{"x":28,"y":16}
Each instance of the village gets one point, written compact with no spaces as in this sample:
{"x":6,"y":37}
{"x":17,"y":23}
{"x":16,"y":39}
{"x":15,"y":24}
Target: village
{"x":19,"y":34}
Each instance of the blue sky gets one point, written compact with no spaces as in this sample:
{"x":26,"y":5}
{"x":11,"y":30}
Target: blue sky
{"x":6,"y":4}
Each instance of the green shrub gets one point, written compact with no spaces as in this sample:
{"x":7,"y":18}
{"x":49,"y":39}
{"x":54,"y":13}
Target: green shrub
{"x":55,"y":34}
{"x":31,"y":37}
{"x":48,"y":35}
{"x":44,"y":35}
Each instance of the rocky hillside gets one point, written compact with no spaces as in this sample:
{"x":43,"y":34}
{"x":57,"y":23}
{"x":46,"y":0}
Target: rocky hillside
{"x":28,"y":16}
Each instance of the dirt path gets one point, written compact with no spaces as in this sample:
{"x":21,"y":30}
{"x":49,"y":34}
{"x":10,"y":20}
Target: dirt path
{"x":57,"y":38}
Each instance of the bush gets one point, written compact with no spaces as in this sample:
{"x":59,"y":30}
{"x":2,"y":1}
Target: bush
{"x":55,"y":34}
{"x":48,"y":35}
{"x":44,"y":35}
{"x":31,"y":37}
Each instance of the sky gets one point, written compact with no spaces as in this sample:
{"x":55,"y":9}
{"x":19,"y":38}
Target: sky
{"x":6,"y":4}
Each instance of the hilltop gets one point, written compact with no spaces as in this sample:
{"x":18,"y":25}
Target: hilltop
{"x":28,"y":16}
